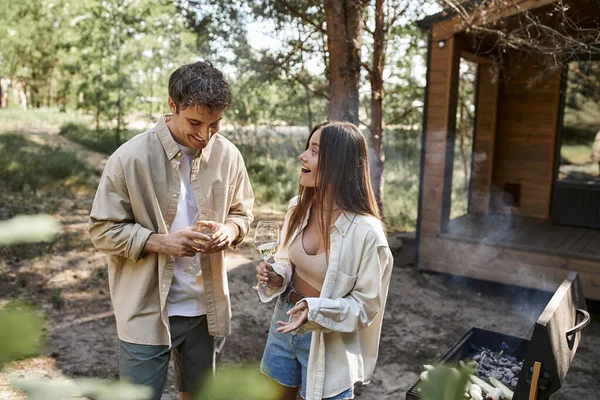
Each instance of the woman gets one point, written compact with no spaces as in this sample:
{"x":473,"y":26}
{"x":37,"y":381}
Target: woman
{"x":331,"y":274}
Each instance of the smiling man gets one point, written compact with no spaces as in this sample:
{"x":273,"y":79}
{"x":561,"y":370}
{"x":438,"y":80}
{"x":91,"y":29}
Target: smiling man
{"x":149,"y":193}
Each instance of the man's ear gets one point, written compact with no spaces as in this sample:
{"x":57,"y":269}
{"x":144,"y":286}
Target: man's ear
{"x":172,"y":106}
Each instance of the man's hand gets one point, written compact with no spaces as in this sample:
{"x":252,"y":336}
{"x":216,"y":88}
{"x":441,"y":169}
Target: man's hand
{"x":221,"y":239}
{"x":180,"y":243}
{"x":265,"y":274}
{"x":298,"y":317}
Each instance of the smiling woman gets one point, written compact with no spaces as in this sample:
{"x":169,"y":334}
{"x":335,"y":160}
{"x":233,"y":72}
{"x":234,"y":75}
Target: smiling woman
{"x":334,"y":261}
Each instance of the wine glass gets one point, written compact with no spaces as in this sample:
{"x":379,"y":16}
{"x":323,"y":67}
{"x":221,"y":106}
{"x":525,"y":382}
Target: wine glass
{"x":266,"y":243}
{"x":206,"y":222}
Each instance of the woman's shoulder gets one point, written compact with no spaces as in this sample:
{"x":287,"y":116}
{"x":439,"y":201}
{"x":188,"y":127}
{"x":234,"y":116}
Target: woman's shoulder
{"x":369,"y":226}
{"x":294,"y":201}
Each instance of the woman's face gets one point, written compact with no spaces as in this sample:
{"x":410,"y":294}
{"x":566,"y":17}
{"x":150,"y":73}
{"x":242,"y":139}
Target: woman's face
{"x":310,"y":161}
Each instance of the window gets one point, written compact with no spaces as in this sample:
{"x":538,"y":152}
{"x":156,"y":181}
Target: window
{"x":580,"y":135}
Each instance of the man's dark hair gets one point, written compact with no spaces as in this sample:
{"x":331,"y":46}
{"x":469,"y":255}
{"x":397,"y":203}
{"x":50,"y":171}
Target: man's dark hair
{"x":199,"y":84}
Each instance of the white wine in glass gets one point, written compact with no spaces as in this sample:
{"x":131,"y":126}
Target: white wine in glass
{"x":266,"y":242}
{"x":204,"y":222}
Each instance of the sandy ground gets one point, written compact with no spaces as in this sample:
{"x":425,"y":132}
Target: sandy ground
{"x":425,"y":315}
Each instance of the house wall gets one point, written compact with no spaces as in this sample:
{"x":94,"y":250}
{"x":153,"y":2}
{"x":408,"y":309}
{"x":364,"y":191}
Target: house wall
{"x":524,"y":149}
{"x":515,"y":141}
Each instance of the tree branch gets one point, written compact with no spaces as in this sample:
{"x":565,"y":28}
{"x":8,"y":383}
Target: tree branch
{"x":400,"y":117}
{"x":303,"y":17}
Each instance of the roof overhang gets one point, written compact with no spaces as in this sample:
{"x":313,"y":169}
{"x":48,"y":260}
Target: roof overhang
{"x":475,"y":12}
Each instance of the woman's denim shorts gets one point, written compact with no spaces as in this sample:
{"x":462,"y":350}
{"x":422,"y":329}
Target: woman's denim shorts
{"x":285,"y":359}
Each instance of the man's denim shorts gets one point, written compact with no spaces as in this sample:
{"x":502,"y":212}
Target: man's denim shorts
{"x":285,"y":359}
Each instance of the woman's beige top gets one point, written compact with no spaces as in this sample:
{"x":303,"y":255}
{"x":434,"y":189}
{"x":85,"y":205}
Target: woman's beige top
{"x":310,"y":268}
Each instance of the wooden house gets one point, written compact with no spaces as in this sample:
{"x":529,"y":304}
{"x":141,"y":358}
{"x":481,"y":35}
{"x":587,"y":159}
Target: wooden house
{"x":527,"y":222}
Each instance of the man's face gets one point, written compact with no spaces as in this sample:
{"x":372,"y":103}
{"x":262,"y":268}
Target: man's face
{"x":194,"y":126}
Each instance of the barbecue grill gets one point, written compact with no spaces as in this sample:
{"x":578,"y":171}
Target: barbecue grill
{"x":538,"y":365}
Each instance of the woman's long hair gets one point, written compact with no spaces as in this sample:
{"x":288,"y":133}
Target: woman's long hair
{"x":342,"y":178}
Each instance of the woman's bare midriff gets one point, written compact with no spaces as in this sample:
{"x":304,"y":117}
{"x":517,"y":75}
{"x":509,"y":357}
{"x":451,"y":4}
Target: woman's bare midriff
{"x":303,"y":288}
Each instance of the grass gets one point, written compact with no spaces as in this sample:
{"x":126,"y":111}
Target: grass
{"x":101,"y":141}
{"x":38,"y":177}
{"x":12,"y":119}
{"x":270,"y":155}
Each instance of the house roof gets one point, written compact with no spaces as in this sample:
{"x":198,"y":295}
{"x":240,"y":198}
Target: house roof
{"x":447,"y":13}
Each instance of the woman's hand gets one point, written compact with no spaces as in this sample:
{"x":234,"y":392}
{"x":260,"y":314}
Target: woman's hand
{"x":298,"y":317}
{"x":265,"y":274}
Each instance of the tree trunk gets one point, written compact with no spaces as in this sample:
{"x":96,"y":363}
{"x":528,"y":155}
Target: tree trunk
{"x":120,"y":86}
{"x":376,"y":128}
{"x":344,"y":40}
{"x":247,"y":109}
{"x":97,"y":117}
{"x":308,"y":110}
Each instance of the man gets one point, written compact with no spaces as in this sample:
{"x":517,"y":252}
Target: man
{"x":150,"y":190}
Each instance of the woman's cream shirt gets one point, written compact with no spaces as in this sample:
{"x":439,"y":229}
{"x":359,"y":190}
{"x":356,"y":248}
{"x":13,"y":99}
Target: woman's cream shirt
{"x":346,"y":319}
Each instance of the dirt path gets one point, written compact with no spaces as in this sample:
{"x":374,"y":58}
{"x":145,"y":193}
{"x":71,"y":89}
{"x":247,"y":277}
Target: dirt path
{"x":425,"y":315}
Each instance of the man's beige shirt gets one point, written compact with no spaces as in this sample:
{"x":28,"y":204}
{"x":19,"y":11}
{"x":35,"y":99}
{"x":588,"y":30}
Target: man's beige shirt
{"x":137,"y":196}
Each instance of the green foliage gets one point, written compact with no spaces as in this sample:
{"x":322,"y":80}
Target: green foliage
{"x":401,"y":175}
{"x":20,"y":331}
{"x":582,"y":103}
{"x":26,"y":166}
{"x":32,"y":41}
{"x":100,"y":140}
{"x":264,"y":101}
{"x":18,"y":119}
{"x":28,"y":229}
{"x":239,"y":382}
{"x":446,"y":382}
{"x":97,"y":389}
{"x":272,"y":162}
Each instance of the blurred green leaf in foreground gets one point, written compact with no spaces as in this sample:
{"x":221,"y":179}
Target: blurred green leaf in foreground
{"x":28,"y":229}
{"x":20,"y":332}
{"x":238,"y":382}
{"x":446,"y":382}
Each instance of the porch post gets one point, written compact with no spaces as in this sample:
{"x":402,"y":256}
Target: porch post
{"x":440,"y":134}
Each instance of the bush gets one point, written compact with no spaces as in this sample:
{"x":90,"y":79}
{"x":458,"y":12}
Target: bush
{"x":102,"y":140}
{"x":29,"y":170}
{"x":25,"y":165}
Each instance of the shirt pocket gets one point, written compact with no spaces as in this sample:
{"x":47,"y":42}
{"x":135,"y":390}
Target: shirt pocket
{"x":221,"y":197}
{"x":342,"y":284}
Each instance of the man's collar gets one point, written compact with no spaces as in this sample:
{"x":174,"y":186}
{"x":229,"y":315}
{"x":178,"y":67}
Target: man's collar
{"x":166,"y":138}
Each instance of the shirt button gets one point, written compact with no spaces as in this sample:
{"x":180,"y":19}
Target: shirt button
{"x":174,"y":195}
{"x":164,"y":286}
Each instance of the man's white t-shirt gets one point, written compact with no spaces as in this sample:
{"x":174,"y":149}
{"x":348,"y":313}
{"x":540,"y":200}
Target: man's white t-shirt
{"x":186,"y":296}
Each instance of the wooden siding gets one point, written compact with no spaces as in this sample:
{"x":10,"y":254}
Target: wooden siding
{"x":530,"y":269}
{"x":528,"y":106}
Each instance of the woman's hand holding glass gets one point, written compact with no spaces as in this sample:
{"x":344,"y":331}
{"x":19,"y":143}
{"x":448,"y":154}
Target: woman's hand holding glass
{"x":267,"y":277}
{"x":266,"y":243}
